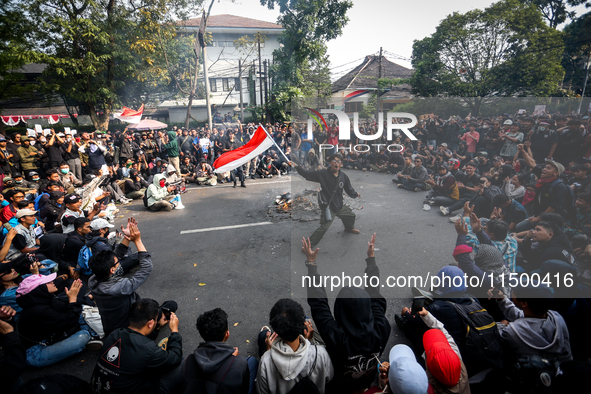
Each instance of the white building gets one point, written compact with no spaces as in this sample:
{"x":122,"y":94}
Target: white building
{"x":223,"y":63}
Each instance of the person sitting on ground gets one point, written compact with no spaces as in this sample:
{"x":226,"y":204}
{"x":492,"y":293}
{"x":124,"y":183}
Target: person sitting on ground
{"x":131,"y":362}
{"x":508,"y":210}
{"x":13,"y":361}
{"x":159,"y":194}
{"x":287,"y":355}
{"x":357,"y":334}
{"x":9,"y":211}
{"x":445,"y":368}
{"x":311,"y":161}
{"x":113,"y":293}
{"x":52,"y":328}
{"x":216,"y":362}
{"x":188,"y":170}
{"x":418,"y":175}
{"x":205,"y":174}
{"x":581,"y":222}
{"x":52,"y":210}
{"x":68,"y":179}
{"x":444,"y":188}
{"x":75,"y":240}
{"x":545,"y":242}
{"x":135,"y":186}
{"x":73,"y":211}
{"x":23,"y":186}
{"x":43,"y":197}
{"x":401,"y":374}
{"x":515,"y":187}
{"x":26,"y":240}
{"x":406,"y":170}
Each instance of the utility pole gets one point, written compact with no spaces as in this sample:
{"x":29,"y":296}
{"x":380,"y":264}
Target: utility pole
{"x":586,"y":64}
{"x":260,"y":73}
{"x":254,"y":83}
{"x":378,"y":86}
{"x":266,"y":92}
{"x":240,"y":87}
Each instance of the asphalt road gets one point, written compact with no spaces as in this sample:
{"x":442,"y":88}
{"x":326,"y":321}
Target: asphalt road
{"x":245,"y":270}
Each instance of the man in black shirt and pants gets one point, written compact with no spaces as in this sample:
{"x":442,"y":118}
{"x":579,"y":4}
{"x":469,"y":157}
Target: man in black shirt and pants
{"x":230,"y":144}
{"x":333,"y":182}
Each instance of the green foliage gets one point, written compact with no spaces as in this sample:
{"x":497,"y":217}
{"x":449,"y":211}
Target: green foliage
{"x":577,"y":45}
{"x":103,"y":54}
{"x":503,"y":50}
{"x":555,"y":11}
{"x":308,"y":24}
{"x":15,"y":50}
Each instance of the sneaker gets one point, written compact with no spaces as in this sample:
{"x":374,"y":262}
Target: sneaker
{"x":432,"y":201}
{"x":364,"y":169}
{"x":163,"y":344}
{"x":444,"y":210}
{"x":265,"y":328}
{"x":94,"y":345}
{"x":399,"y":322}
{"x":454,"y":219}
{"x":426,"y":207}
{"x":400,"y":186}
{"x":418,"y":189}
{"x":426,"y":201}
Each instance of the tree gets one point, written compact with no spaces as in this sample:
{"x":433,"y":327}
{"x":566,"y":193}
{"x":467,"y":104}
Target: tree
{"x":577,"y":43}
{"x":503,"y":50}
{"x":556,"y":11}
{"x":15,"y":50}
{"x":308,"y":26}
{"x":104,"y":54}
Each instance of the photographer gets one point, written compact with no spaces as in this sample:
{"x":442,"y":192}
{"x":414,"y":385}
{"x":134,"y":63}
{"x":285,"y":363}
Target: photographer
{"x":159,"y":194}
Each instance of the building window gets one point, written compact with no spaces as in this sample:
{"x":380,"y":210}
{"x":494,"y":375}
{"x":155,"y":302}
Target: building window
{"x":353,"y":107}
{"x":226,"y":43}
{"x":244,"y":83}
{"x":213,"y":85}
{"x":225,"y":84}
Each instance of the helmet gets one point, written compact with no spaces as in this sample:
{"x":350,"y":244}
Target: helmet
{"x":453,"y":164}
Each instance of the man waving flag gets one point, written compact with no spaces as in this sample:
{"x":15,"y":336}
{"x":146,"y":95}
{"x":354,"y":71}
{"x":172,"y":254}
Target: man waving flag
{"x":259,"y":143}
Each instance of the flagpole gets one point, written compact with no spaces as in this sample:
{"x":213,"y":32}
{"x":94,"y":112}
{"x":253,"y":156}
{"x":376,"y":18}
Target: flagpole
{"x":274,"y":143}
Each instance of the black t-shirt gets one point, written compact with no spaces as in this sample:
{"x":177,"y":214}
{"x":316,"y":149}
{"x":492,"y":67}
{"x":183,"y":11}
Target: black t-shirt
{"x":541,"y":143}
{"x":553,"y":194}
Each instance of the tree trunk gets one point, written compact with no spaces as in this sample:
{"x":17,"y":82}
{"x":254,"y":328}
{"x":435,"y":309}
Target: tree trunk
{"x":100,"y":122}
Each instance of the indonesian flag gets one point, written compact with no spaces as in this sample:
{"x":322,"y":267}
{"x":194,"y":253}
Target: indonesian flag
{"x":130,"y":116}
{"x":259,"y":143}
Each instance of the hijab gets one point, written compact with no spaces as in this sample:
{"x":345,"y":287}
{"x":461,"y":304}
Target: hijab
{"x":51,"y":246}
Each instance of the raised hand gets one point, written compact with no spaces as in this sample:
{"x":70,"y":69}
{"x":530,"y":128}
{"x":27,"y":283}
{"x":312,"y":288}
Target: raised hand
{"x":461,"y":227}
{"x":371,"y":244}
{"x":475,"y":223}
{"x":130,"y":221}
{"x":73,"y":291}
{"x":307,"y":250}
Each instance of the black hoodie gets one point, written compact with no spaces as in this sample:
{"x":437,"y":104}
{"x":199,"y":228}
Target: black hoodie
{"x":44,"y":315}
{"x":212,"y":357}
{"x":359,"y":326}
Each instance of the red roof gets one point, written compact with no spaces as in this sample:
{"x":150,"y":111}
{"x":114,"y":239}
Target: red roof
{"x":232,"y":21}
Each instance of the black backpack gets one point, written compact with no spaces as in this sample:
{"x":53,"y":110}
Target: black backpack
{"x":483,"y":340}
{"x":305,"y":384}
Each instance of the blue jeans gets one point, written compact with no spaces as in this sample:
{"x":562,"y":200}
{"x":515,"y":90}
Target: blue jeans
{"x":412,"y":185}
{"x":253,"y":366}
{"x":525,"y":225}
{"x":41,"y":355}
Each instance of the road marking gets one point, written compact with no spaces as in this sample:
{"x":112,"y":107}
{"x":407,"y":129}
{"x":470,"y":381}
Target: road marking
{"x":202,"y":230}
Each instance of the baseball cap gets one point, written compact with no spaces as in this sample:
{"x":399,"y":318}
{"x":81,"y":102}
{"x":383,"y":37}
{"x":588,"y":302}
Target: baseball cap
{"x":72,"y":198}
{"x":97,"y":224}
{"x":31,"y":282}
{"x":556,"y":165}
{"x":444,"y":145}
{"x":6,"y":267}
{"x":442,"y":362}
{"x":508,"y":122}
{"x":406,"y":375}
{"x":24,"y":138}
{"x":25,"y":212}
{"x":2,"y":138}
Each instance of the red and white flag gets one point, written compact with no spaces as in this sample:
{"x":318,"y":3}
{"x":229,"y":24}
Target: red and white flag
{"x":129,"y":115}
{"x":259,"y":143}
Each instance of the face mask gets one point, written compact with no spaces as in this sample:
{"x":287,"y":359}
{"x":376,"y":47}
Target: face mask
{"x":542,"y":129}
{"x":64,"y":170}
{"x":162,"y":182}
{"x":42,"y":140}
{"x":35,"y":179}
{"x":33,"y":142}
{"x":118,"y":272}
{"x":18,"y":181}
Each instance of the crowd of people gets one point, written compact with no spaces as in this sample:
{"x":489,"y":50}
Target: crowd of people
{"x":519,"y":183}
